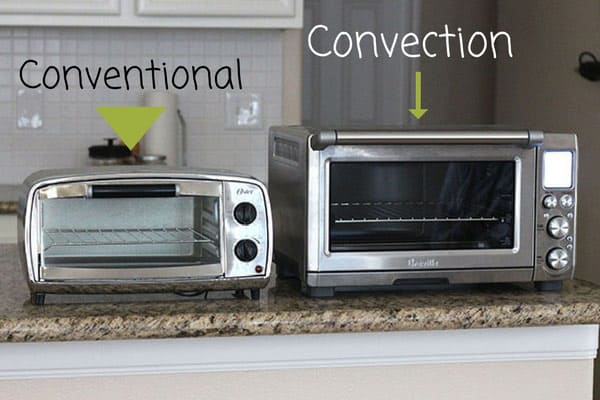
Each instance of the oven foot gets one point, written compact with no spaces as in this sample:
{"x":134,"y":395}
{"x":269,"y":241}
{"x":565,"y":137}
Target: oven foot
{"x":38,"y":298}
{"x":548,"y":286}
{"x":319,"y":291}
{"x":255,"y":294}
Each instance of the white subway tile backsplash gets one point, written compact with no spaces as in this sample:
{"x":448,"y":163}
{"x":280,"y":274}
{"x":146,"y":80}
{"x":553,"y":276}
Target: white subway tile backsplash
{"x":20,"y":46}
{"x":52,"y":45}
{"x":70,"y":120}
{"x":68,"y":46}
{"x":36,"y":45}
{"x":5,"y":45}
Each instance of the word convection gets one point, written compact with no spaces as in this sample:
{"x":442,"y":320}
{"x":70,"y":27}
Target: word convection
{"x":324,"y":44}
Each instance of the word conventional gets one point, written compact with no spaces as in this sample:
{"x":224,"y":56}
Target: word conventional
{"x":322,"y":43}
{"x":152,"y":76}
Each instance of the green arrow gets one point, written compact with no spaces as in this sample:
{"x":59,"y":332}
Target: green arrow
{"x":418,"y":112}
{"x":130,"y":123}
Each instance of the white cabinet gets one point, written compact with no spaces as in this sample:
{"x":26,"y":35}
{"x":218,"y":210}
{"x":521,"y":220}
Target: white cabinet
{"x":82,"y":7}
{"x":153,"y":13}
{"x":238,"y":8}
{"x":550,"y":363}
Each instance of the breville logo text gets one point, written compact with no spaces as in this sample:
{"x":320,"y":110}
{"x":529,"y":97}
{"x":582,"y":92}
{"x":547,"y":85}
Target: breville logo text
{"x":424,"y":263}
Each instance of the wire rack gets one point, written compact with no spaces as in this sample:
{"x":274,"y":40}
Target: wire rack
{"x":105,"y":237}
{"x":390,"y":212}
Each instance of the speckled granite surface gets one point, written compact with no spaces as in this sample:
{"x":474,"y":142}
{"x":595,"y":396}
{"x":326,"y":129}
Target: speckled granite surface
{"x":283,"y":310}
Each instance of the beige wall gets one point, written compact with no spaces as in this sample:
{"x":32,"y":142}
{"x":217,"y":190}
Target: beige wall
{"x":458,"y":91}
{"x":548,"y":380}
{"x":539,"y":88}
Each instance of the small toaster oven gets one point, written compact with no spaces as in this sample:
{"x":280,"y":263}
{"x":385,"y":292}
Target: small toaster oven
{"x":359,"y":209}
{"x":106,"y":230}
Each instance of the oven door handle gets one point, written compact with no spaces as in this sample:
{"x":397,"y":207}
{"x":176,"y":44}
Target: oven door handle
{"x":110,"y":191}
{"x":322,"y":140}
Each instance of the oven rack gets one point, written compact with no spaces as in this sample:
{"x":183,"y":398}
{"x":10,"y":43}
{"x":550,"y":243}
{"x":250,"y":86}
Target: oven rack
{"x":110,"y":237}
{"x":392,"y":212}
{"x":434,"y":219}
{"x":385,"y":203}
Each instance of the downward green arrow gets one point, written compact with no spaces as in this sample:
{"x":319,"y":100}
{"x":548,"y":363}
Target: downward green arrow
{"x":130,"y":123}
{"x":418,"y":112}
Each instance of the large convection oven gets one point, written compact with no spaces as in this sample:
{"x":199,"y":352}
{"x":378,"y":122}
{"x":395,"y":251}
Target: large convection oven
{"x":382,"y":208}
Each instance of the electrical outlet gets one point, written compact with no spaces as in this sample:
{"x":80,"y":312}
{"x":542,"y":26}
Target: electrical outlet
{"x":243,"y":111}
{"x":30,"y":108}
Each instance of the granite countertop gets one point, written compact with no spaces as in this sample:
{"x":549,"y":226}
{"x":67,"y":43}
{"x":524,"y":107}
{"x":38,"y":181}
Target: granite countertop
{"x":283,"y":310}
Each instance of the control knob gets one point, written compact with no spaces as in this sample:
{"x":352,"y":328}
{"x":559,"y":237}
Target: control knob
{"x":566,"y":201}
{"x":557,"y":258}
{"x":246,"y":250}
{"x":244,"y":213}
{"x":550,"y":201}
{"x":558,"y":227}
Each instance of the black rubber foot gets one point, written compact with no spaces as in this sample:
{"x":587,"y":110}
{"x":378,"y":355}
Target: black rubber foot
{"x":255,"y":294}
{"x":38,"y":299}
{"x":548,"y":286}
{"x":319,"y":291}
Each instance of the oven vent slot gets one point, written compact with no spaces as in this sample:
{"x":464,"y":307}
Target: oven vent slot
{"x":286,"y":149}
{"x":121,"y":191}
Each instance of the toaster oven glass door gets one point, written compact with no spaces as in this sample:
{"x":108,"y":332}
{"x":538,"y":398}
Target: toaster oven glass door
{"x":421,"y":207}
{"x":412,"y":206}
{"x":131,"y":234}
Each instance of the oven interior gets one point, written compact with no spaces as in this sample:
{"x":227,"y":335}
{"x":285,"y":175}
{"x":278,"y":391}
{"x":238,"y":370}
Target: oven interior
{"x":130,"y":232}
{"x":387,"y":206}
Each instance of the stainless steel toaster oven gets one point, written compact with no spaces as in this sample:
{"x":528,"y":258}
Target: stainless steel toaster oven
{"x":357,"y":209}
{"x":131,"y":229}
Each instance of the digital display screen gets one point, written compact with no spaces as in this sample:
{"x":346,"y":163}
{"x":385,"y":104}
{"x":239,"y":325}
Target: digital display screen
{"x":558,"y":169}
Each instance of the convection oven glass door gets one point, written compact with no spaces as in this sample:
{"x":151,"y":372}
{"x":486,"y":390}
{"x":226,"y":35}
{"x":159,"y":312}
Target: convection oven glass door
{"x":131,"y":231}
{"x":425,"y":207}
{"x":428,"y":205}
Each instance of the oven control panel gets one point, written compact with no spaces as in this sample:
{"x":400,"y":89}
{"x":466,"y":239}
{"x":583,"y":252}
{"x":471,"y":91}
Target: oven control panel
{"x":246,"y":227}
{"x":556,"y":208}
{"x":559,"y":216}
